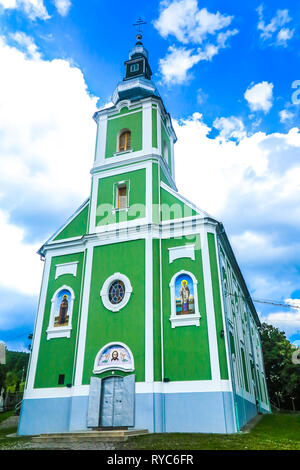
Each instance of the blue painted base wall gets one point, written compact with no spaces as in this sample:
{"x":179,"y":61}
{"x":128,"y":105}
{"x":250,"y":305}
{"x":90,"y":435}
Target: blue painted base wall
{"x":207,"y":412}
{"x":246,"y":410}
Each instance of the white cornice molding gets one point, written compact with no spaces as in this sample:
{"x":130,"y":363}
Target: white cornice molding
{"x":136,"y":231}
{"x":119,"y":162}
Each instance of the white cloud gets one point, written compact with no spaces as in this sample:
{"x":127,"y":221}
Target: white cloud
{"x":46,"y":152}
{"x":27,"y":43}
{"x":288,"y":321}
{"x":284,"y":35}
{"x":32,"y":8}
{"x":231,"y":127}
{"x":260,"y":96}
{"x":21,"y":268}
{"x":175,"y":65}
{"x":184,"y":20}
{"x":63,"y":6}
{"x":201,"y":96}
{"x":274,"y":31}
{"x":253,"y":244}
{"x":285,"y":115}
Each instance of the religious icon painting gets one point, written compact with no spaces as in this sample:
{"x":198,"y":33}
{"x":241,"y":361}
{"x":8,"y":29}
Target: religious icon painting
{"x":62,"y":307}
{"x":184,"y":295}
{"x":114,"y":356}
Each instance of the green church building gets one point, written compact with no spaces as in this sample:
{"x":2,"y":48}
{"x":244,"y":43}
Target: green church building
{"x":144,"y":319}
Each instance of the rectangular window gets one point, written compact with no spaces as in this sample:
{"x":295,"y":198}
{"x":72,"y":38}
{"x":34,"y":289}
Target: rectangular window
{"x":61,"y":379}
{"x":121,"y":196}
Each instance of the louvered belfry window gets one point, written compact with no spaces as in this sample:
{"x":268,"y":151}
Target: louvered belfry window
{"x":124,"y":141}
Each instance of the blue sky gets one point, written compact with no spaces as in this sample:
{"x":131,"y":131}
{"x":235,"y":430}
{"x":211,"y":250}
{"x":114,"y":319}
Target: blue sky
{"x":229,"y":76}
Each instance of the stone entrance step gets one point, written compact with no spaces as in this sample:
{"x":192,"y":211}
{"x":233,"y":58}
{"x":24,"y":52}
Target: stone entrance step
{"x":95,"y":435}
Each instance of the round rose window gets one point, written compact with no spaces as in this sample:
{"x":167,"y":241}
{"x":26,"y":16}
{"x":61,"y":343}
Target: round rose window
{"x":116,"y":292}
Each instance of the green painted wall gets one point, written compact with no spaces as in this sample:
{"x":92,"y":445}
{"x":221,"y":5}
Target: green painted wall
{"x":156,"y":311}
{"x":137,"y":198}
{"x":186,"y":349}
{"x":164,"y":178}
{"x":154,"y":127}
{"x":217,"y":305}
{"x":77,"y":227}
{"x":173,"y":208}
{"x":56,"y":356}
{"x":133,"y":122}
{"x":127,"y":325}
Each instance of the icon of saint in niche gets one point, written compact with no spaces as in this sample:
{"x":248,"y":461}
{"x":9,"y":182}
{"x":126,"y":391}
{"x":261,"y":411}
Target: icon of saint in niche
{"x":185,"y":296}
{"x":115,"y":356}
{"x":62,"y":309}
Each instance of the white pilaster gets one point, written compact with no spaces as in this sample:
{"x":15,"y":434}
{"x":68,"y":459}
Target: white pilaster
{"x":84,"y":316}
{"x":101,"y":140}
{"x":147,"y":127}
{"x":159,"y":131}
{"x":210,"y":311}
{"x":149,"y":373}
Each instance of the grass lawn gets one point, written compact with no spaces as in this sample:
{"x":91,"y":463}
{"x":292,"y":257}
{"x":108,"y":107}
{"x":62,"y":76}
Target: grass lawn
{"x":273,"y":432}
{"x":5,"y":415}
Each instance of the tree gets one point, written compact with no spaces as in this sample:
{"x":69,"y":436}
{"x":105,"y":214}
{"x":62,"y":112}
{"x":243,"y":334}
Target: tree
{"x":2,"y":377}
{"x":283,"y":377}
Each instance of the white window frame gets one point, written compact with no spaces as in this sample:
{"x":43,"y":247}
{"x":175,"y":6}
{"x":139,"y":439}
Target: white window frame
{"x":192,"y":319}
{"x":105,"y":291}
{"x":120,"y":152}
{"x":60,"y":331}
{"x":115,"y":195}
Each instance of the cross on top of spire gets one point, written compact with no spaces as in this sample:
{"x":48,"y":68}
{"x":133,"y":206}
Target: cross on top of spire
{"x":139,"y":24}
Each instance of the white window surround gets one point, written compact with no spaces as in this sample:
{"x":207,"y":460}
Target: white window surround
{"x":115,"y":195}
{"x":120,"y":152}
{"x":184,"y":320}
{"x":66,"y":268}
{"x":105,"y":290}
{"x":185,"y":251}
{"x":98,"y":370}
{"x":60,"y":331}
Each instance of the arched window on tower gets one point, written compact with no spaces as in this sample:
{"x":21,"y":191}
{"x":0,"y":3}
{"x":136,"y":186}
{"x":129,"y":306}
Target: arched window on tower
{"x":124,"y":141}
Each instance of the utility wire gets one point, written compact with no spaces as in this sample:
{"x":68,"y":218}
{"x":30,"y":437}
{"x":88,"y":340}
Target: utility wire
{"x":277,"y":303}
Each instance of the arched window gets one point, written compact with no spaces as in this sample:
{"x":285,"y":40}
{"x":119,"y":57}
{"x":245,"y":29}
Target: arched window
{"x":184,"y":300}
{"x":60,"y":322}
{"x":124,"y":141}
